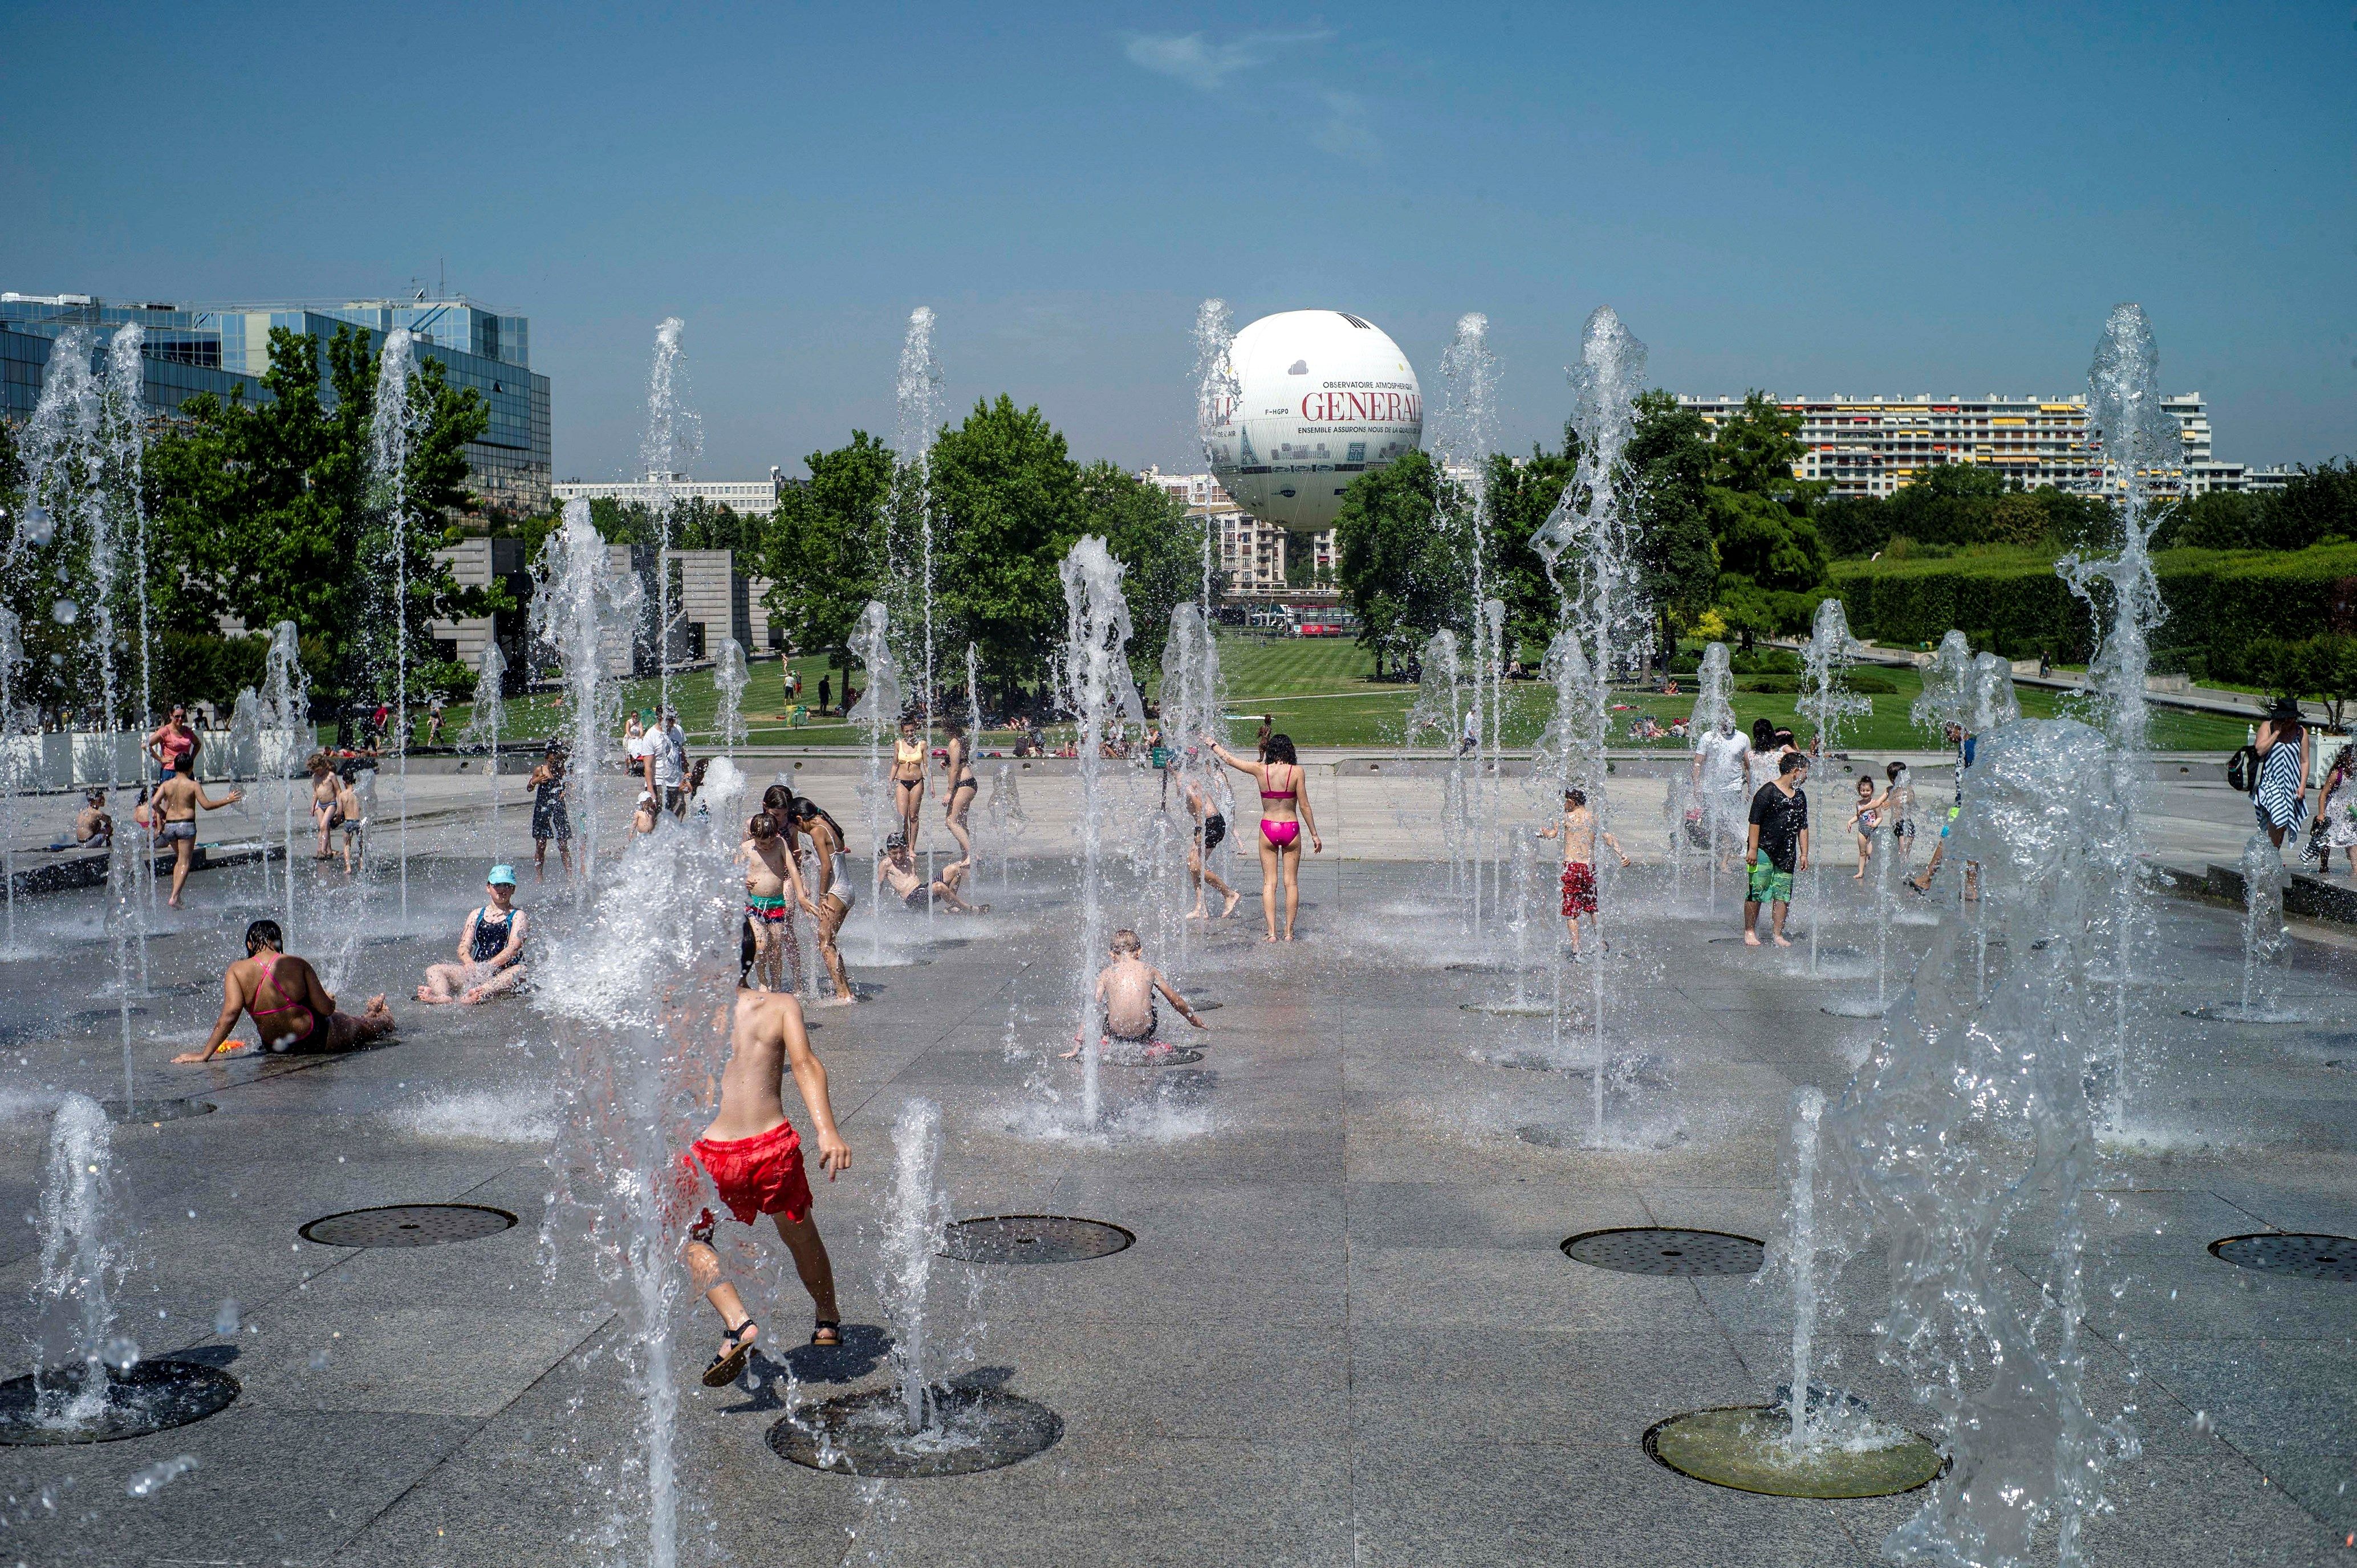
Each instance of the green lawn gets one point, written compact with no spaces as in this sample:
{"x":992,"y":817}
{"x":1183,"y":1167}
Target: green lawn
{"x":1321,"y":692}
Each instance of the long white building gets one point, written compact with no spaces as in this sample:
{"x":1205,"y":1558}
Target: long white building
{"x":1874,"y":447}
{"x":743,"y":497}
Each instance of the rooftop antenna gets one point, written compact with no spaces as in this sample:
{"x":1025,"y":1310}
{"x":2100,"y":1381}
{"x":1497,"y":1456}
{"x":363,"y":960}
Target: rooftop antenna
{"x":441,"y":277}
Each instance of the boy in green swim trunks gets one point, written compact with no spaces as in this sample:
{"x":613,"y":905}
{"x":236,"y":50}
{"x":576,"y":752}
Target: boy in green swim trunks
{"x":1778,"y":845}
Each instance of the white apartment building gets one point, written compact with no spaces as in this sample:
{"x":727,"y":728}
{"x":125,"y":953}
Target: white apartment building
{"x":743,"y":497}
{"x":1872,"y":447}
{"x":1252,"y":552}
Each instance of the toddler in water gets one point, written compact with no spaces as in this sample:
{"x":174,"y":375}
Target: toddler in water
{"x":1864,"y":818}
{"x":1126,"y":989}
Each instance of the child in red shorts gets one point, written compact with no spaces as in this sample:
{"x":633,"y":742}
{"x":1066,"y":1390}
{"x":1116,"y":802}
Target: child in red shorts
{"x":754,"y":1159}
{"x":1577,"y":831}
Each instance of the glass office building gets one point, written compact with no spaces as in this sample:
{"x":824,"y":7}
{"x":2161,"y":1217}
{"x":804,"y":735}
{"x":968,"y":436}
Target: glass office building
{"x":225,"y":350}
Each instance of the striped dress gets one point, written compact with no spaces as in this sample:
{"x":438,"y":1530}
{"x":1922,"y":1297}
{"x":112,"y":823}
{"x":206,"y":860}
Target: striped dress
{"x":2278,"y":797}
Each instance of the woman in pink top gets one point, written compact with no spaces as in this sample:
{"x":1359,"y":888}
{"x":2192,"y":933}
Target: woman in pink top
{"x":1283,"y":813}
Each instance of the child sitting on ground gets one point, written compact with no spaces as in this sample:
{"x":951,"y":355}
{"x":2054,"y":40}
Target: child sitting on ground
{"x":1126,"y":989}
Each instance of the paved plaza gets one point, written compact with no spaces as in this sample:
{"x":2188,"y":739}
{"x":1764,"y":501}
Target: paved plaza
{"x":1346,"y":1333}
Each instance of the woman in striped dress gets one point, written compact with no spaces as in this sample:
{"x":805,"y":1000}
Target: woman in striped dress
{"x":2281,"y":798}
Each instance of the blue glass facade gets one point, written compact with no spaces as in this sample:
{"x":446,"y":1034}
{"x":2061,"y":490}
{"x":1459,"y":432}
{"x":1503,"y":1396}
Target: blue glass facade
{"x":225,"y":350}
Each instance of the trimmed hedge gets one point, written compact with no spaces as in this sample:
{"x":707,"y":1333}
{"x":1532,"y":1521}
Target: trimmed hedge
{"x":2218,"y":601}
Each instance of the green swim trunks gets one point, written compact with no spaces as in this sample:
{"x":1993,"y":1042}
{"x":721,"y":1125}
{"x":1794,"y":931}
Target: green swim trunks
{"x":1770,"y":885}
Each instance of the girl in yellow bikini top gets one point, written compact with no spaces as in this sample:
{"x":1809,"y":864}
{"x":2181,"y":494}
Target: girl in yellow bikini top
{"x":908,"y":758}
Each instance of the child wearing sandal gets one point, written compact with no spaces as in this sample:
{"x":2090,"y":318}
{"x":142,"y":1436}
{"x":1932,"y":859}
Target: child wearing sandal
{"x":754,"y":1159}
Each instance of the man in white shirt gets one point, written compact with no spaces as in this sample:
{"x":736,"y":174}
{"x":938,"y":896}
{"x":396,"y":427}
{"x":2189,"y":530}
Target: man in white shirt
{"x":1722,"y":784}
{"x":667,"y":763}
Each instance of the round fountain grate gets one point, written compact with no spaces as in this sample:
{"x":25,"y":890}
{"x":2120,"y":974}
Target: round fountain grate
{"x":1033,"y":1239}
{"x":1650,"y":1250}
{"x":1743,"y":1448}
{"x":148,"y":1396}
{"x":865,"y":1434}
{"x":155,"y":1111}
{"x":2307,"y":1257}
{"x":408,"y":1225}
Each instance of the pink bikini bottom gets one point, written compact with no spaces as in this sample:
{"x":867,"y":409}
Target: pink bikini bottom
{"x":1281,"y":834}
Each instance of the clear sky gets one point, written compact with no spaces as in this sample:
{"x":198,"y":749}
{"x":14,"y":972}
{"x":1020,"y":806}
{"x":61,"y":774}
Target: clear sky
{"x":1820,"y":199}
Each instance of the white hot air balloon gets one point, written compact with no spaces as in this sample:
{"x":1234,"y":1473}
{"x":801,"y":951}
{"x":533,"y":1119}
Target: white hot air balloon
{"x":1319,"y":397}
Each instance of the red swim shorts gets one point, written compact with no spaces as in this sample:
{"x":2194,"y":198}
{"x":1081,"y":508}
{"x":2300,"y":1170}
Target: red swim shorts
{"x":1578,"y":888}
{"x":759,"y":1174}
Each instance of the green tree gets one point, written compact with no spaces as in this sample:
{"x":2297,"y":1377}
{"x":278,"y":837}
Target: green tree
{"x":262,"y":511}
{"x":1753,"y":451}
{"x":2317,"y":507}
{"x":2323,"y":667}
{"x":823,"y":550}
{"x":1006,"y":507}
{"x":1671,"y":461}
{"x":1401,"y":537}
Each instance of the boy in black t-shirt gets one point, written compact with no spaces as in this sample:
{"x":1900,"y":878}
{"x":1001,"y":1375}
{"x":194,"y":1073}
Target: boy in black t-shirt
{"x":1778,"y":845}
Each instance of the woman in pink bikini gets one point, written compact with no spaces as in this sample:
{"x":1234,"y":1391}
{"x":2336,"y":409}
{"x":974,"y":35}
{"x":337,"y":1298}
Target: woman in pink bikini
{"x":1283,"y":813}
{"x":301,"y":1016}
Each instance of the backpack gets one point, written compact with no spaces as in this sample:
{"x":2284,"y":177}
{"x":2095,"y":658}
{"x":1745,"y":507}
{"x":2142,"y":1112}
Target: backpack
{"x":2243,"y":769}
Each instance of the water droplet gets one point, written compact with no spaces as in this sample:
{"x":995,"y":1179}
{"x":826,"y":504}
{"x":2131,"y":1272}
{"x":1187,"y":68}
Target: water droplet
{"x":2202,"y":1422}
{"x":320,"y":1359}
{"x":40,"y":526}
{"x":161,"y":1474}
{"x":121,"y":1353}
{"x":226,"y":1318}
{"x":66,"y":611}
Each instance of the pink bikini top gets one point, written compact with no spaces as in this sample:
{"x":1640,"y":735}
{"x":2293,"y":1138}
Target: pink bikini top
{"x":1281,"y":794}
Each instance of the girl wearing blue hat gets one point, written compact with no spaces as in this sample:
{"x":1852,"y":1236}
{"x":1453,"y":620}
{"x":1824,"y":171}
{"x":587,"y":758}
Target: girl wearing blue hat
{"x":490,"y":948}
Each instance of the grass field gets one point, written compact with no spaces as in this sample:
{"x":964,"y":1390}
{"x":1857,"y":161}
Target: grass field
{"x":1322,"y":692}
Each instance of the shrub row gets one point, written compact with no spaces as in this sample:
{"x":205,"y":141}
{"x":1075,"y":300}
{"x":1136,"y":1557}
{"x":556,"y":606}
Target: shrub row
{"x":2217,"y":602}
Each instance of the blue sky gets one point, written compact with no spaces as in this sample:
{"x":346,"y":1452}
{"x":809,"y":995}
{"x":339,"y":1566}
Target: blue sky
{"x":1856,"y":200}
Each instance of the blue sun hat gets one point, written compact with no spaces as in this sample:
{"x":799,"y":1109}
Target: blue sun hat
{"x":500,"y":874}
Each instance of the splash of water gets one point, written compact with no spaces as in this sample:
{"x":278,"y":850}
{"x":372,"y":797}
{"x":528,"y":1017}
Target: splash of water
{"x":485,"y":720}
{"x":1800,"y":1247}
{"x":393,"y":426}
{"x":729,"y":679}
{"x":2141,"y":443}
{"x":1720,"y":781}
{"x":917,"y":392}
{"x":123,"y":420}
{"x":83,"y":1259}
{"x":1827,"y":699}
{"x":1097,"y":690}
{"x":878,"y":710}
{"x":16,"y":756}
{"x":1194,"y":707}
{"x":1600,"y":608}
{"x":285,"y":723}
{"x":974,"y":740}
{"x":1465,"y":436}
{"x":674,"y":439}
{"x":1970,"y":1120}
{"x":916,"y":1218}
{"x":1440,"y":707}
{"x":583,"y":614}
{"x":629,"y":994}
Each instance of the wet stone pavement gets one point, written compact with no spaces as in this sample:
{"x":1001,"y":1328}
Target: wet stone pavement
{"x":1346,"y":1331}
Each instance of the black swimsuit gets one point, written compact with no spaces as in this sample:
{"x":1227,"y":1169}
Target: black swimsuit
{"x":1215,"y":828}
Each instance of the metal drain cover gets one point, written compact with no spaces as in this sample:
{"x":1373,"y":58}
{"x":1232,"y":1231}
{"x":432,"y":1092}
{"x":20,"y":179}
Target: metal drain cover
{"x":148,"y":1396}
{"x":1033,"y":1239}
{"x":1744,"y":1449}
{"x":2302,"y":1257}
{"x":408,"y":1225}
{"x":866,"y":1433}
{"x":155,"y":1111}
{"x":1649,"y":1249}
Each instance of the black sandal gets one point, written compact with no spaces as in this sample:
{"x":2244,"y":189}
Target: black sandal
{"x":730,"y":1365}
{"x":827,"y":1326}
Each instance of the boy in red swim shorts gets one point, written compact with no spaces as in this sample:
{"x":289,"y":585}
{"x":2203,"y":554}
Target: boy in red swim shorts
{"x":1577,"y":831}
{"x":754,"y":1159}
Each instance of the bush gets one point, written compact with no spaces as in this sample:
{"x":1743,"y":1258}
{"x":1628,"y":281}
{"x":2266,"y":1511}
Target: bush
{"x":1769,"y":686}
{"x":1766,"y":661}
{"x":1873,"y":685}
{"x":2217,"y":602}
{"x":205,"y":667}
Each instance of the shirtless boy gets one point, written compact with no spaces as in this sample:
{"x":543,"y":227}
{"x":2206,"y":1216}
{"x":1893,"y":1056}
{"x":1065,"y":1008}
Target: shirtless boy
{"x":291,"y":1010}
{"x":93,"y":825}
{"x":178,"y":798}
{"x":352,"y":814}
{"x":1211,"y":828}
{"x":769,"y":873}
{"x":1577,"y":831}
{"x":897,"y":870}
{"x":324,"y":813}
{"x":1126,"y":989}
{"x":754,"y":1159}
